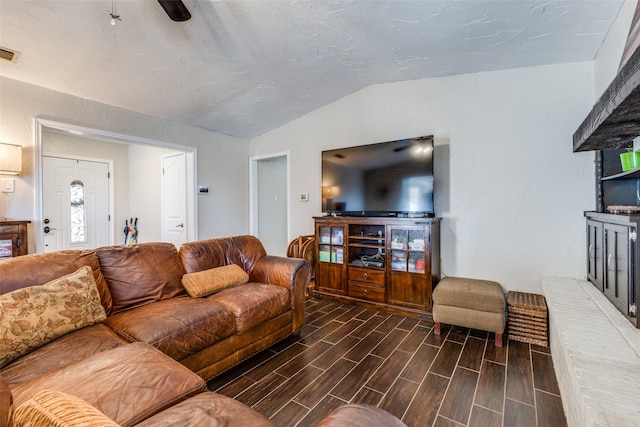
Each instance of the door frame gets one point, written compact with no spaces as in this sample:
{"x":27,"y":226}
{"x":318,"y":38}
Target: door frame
{"x":40,"y":124}
{"x":253,"y":190}
{"x":109,"y":183}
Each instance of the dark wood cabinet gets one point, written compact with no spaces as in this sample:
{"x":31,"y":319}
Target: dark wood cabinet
{"x":595,"y":266}
{"x":16,"y":232}
{"x":391,"y":264}
{"x":613,"y":263}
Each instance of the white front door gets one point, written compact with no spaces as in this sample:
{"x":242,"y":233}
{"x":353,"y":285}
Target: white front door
{"x":174,"y":199}
{"x":75,"y":204}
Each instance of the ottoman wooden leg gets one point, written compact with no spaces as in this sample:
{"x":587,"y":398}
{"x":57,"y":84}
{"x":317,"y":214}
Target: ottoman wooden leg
{"x":498,"y":340}
{"x":436,"y":328}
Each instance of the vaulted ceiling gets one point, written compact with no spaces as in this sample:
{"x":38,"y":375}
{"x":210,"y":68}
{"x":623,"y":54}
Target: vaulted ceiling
{"x":243,"y":68}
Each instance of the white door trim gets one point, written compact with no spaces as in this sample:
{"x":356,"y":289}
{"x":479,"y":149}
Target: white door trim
{"x":253,"y":192}
{"x":40,"y":243}
{"x":40,"y":124}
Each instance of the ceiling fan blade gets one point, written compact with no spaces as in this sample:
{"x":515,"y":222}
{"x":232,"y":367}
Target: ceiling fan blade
{"x":176,"y":10}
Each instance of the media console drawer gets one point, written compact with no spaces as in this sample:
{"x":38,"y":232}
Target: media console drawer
{"x":366,"y":275}
{"x":364,"y":291}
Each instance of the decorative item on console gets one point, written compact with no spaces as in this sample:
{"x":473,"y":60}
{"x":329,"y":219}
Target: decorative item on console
{"x":631,"y":159}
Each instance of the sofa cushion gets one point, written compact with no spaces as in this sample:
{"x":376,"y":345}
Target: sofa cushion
{"x":51,"y":408}
{"x":6,"y":405}
{"x":179,"y":327}
{"x":244,"y":251}
{"x":62,"y":351}
{"x":128,"y":384}
{"x":36,"y":269}
{"x":253,"y":303}
{"x":141,"y":274}
{"x":360,"y":415}
{"x":206,"y":282}
{"x":208,"y":409}
{"x":35,"y":315}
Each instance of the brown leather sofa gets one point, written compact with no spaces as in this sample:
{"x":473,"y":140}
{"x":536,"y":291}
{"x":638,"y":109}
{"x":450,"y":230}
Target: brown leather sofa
{"x":147,"y":363}
{"x":148,"y":309}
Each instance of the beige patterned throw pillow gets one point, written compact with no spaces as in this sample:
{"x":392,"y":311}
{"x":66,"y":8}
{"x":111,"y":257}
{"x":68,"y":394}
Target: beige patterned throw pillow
{"x":51,"y":408}
{"x":206,"y":282}
{"x":33,"y":316}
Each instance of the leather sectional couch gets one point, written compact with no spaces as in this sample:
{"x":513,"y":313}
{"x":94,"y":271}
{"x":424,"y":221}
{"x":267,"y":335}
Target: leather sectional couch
{"x":143,"y":360}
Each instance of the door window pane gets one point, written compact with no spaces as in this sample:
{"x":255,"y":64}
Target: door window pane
{"x":77,"y":212}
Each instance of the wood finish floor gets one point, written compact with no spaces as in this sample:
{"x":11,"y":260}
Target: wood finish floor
{"x":350,"y":354}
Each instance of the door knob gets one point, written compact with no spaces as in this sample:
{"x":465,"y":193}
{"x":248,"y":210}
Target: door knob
{"x":181,"y":225}
{"x":48,"y":229}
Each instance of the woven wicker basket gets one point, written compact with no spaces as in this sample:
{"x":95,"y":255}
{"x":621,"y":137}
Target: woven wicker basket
{"x":527,"y":318}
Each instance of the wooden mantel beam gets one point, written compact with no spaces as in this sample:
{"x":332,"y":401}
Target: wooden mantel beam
{"x":614,"y":121}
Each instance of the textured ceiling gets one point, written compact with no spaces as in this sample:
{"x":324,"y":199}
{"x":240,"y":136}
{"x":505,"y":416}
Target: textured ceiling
{"x":245,"y":67}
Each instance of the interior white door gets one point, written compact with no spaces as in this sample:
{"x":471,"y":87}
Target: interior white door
{"x":75,"y":204}
{"x":273,"y":204}
{"x":174,"y":198}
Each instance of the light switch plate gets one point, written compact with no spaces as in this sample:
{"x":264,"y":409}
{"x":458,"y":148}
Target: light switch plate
{"x":8,"y":185}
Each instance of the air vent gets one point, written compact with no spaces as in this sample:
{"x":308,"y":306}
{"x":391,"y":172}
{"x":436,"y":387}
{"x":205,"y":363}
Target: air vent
{"x":7,"y":54}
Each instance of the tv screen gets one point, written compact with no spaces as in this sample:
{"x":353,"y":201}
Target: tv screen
{"x":387,"y":178}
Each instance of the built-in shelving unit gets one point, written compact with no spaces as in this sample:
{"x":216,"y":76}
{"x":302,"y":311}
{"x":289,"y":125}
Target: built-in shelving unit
{"x":613,"y":254}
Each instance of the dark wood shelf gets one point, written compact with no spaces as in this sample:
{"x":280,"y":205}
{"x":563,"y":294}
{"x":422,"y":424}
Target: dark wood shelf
{"x":366,"y":245}
{"x":615,"y":118}
{"x":632,"y":174}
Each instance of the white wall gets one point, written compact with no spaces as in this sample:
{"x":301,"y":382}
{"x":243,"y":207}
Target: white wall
{"x":222,"y":160}
{"x":607,"y":60}
{"x":509,"y":188}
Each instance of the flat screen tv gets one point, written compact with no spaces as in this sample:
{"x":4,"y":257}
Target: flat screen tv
{"x":393,"y":178}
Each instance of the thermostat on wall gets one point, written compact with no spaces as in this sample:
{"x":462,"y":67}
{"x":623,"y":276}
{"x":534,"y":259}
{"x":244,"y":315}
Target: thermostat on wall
{"x":304,"y":197}
{"x":203,"y":189}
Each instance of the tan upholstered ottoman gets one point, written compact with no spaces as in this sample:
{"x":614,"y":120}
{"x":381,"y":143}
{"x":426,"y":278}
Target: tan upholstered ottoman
{"x":471,"y":303}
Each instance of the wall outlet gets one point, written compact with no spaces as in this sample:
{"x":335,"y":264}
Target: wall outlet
{"x":8,"y":185}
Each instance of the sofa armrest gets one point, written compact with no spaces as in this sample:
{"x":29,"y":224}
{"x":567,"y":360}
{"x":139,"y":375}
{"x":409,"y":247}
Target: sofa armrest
{"x":6,"y":405}
{"x":360,"y":415}
{"x":292,"y":273}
